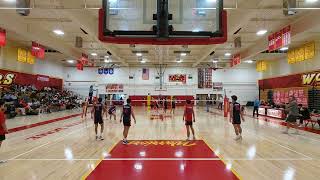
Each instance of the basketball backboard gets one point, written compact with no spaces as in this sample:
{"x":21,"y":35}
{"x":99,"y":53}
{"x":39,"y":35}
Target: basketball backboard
{"x":163,"y":22}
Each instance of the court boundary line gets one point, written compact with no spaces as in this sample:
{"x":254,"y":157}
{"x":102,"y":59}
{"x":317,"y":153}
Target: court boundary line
{"x":223,"y":160}
{"x":172,"y":159}
{"x":96,"y":164}
{"x":36,"y":132}
{"x":285,"y":147}
{"x":49,"y":142}
{"x":21,"y":128}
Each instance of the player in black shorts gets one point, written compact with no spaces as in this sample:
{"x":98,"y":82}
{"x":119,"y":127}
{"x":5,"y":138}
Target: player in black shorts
{"x":126,"y":114}
{"x":112,"y":111}
{"x":165,"y":105}
{"x":3,"y":127}
{"x":236,"y":114}
{"x":97,"y":112}
{"x":173,"y":105}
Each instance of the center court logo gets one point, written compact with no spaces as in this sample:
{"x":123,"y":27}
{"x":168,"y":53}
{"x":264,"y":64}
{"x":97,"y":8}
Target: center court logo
{"x":163,"y":143}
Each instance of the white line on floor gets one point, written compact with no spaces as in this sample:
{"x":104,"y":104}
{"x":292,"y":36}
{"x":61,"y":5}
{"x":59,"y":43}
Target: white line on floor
{"x":56,"y":140}
{"x":170,"y":159}
{"x":285,"y":147}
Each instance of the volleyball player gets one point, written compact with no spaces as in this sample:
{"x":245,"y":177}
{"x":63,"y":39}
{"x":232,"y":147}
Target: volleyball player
{"x":188,"y":116}
{"x":173,"y":105}
{"x":126,"y":114}
{"x":165,"y":105}
{"x":236,"y":114}
{"x":84,"y":108}
{"x":112,"y":111}
{"x":97,"y":112}
{"x":3,"y":127}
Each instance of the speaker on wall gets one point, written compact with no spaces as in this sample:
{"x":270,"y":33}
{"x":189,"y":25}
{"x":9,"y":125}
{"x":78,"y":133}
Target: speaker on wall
{"x":237,"y":42}
{"x":78,"y":42}
{"x":287,"y":7}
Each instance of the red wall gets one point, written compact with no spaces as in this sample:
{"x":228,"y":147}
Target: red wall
{"x":40,"y":81}
{"x":294,"y":80}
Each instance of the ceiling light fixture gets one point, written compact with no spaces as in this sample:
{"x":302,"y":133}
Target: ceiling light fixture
{"x":214,"y":61}
{"x":284,"y":48}
{"x":249,"y":61}
{"x":227,"y":54}
{"x":94,"y":54}
{"x":106,"y":61}
{"x":261,"y":32}
{"x":58,"y":32}
{"x":183,"y":54}
{"x":70,"y":61}
{"x":311,"y":1}
{"x":139,"y":54}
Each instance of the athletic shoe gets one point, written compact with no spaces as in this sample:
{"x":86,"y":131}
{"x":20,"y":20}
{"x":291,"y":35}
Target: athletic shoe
{"x":3,"y":161}
{"x":188,"y":139}
{"x":101,"y":138}
{"x":237,"y":138}
{"x":194,"y":138}
{"x":96,"y":137}
{"x":301,"y":125}
{"x":124,"y":141}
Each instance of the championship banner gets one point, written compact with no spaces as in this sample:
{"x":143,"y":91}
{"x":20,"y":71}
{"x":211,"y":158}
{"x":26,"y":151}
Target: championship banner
{"x":114,"y":88}
{"x":39,"y":81}
{"x":301,"y":53}
{"x":22,"y":55}
{"x":145,"y":73}
{"x":79,"y":66}
{"x":3,"y":37}
{"x":279,"y":39}
{"x":178,"y":78}
{"x":236,"y":59}
{"x":84,"y":59}
{"x":25,"y":56}
{"x":30,"y":58}
{"x":261,"y":66}
{"x":37,"y":50}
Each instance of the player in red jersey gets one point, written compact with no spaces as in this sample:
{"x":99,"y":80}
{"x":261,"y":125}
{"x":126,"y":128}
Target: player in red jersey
{"x":3,"y":127}
{"x":187,"y":117}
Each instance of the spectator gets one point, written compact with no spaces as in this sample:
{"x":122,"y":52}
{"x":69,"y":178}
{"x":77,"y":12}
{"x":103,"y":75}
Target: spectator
{"x":256,"y":106}
{"x":207,"y":103}
{"x":293,"y":114}
{"x":304,"y":114}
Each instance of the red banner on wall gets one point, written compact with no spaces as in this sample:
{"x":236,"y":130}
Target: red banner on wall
{"x":3,"y":37}
{"x":279,"y":39}
{"x":84,"y":59}
{"x":178,"y":78}
{"x":236,"y":59}
{"x":37,"y":50}
{"x":39,"y":81}
{"x":79,"y":66}
{"x":114,"y":88}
